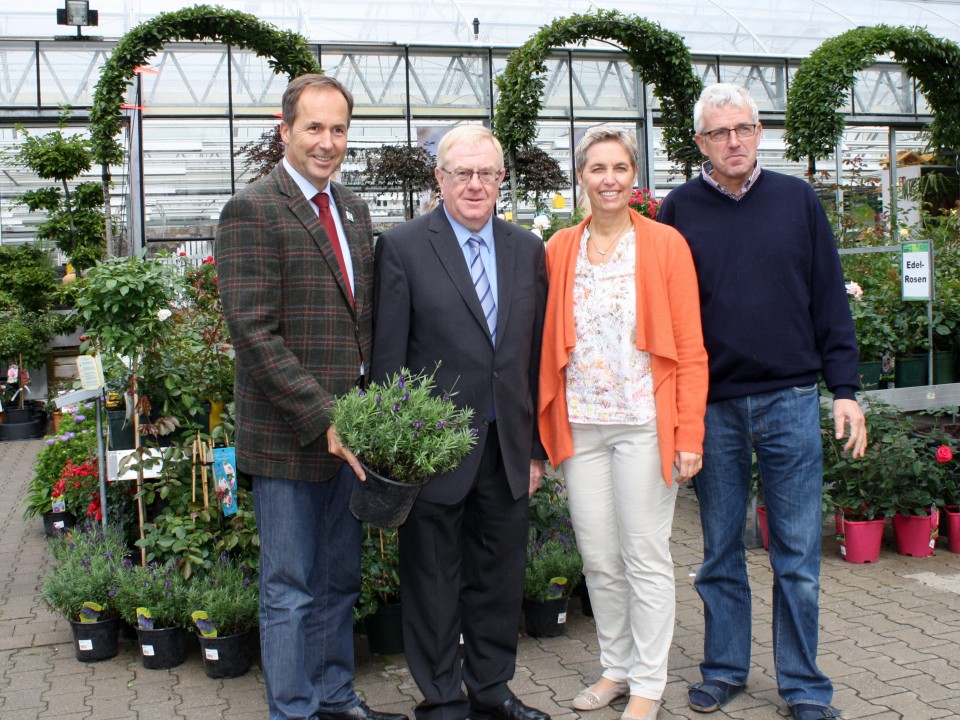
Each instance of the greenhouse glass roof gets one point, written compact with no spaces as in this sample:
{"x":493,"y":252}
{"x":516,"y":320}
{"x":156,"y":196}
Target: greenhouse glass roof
{"x":748,"y":27}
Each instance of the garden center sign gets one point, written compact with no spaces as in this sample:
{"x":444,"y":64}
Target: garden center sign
{"x":916,"y":270}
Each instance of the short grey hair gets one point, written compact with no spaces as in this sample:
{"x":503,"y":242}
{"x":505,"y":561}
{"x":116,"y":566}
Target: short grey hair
{"x":472,"y":135}
{"x":720,"y":94}
{"x":603,"y":133}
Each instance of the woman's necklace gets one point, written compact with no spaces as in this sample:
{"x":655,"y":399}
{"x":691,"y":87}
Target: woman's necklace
{"x":616,"y":239}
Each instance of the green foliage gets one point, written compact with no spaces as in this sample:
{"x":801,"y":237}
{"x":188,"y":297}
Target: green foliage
{"x":659,"y":57}
{"x":76,"y":441}
{"x":75,"y":218}
{"x":401,"y":167}
{"x":87,"y":567}
{"x":813,"y":124}
{"x":27,"y":275}
{"x":287,"y":52}
{"x":23,"y":334}
{"x":184,"y":532}
{"x":547,"y":563}
{"x":379,"y":570}
{"x":160,"y":589}
{"x":551,"y":549}
{"x":120,"y":301}
{"x":228,"y":594}
{"x":402,"y":430}
{"x":192,"y":362}
{"x":899,"y":472}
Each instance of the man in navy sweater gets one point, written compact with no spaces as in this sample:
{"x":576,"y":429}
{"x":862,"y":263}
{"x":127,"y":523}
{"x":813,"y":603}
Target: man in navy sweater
{"x":775,"y":317}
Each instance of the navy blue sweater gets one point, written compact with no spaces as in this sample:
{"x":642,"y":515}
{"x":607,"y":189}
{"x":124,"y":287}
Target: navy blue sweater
{"x":773,"y":303}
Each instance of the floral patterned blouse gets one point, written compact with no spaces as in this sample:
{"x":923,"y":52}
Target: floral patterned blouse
{"x":609,"y":381}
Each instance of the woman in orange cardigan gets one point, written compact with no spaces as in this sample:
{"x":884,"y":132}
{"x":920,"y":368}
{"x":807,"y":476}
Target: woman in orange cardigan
{"x":623,"y":389}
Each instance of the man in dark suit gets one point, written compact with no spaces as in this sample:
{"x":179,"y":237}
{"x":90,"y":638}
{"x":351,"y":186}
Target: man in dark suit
{"x":295,"y":261}
{"x":464,"y":289}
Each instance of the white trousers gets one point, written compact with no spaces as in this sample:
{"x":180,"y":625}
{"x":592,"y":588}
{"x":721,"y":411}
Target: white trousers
{"x":622,"y":514}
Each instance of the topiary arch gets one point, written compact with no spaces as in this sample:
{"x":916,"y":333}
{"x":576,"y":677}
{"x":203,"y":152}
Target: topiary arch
{"x":658,"y":56}
{"x":287,"y":52}
{"x":813,"y":124}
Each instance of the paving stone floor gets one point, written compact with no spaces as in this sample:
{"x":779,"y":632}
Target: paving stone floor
{"x":889,"y":639}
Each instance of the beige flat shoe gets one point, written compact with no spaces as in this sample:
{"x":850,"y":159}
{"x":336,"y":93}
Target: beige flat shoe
{"x":650,"y":714}
{"x":590,"y":699}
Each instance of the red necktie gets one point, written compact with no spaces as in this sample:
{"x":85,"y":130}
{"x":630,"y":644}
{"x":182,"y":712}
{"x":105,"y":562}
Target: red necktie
{"x":322,"y":201}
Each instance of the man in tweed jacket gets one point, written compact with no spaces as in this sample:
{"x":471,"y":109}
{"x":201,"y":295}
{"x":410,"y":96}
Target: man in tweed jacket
{"x":300,"y":320}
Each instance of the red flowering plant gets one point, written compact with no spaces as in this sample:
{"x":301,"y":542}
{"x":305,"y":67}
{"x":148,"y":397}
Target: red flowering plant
{"x":75,"y":441}
{"x":951,"y":475}
{"x":79,"y":488}
{"x":643,"y":201}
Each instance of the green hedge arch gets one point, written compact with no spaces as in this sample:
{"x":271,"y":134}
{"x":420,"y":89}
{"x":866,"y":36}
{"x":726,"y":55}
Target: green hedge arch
{"x":813,"y":124}
{"x":287,"y":52}
{"x":658,"y":56}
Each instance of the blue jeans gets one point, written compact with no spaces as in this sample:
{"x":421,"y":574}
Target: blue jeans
{"x":783,"y":428}
{"x":309,"y":583}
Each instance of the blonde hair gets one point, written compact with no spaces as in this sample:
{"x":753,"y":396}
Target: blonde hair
{"x":603,"y":133}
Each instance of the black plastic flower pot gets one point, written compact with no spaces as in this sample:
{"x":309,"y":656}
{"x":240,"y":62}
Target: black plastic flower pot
{"x":385,"y":629}
{"x":382,"y":502}
{"x":546,"y":618}
{"x":226,"y":657}
{"x":163,"y":648}
{"x":95,"y":641}
{"x":57,"y":523}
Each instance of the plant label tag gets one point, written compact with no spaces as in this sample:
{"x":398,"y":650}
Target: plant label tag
{"x":85,"y":645}
{"x":58,"y":524}
{"x":147,"y":650}
{"x":211,"y":654}
{"x":561,"y":618}
{"x":224,"y":462}
{"x":59,"y":504}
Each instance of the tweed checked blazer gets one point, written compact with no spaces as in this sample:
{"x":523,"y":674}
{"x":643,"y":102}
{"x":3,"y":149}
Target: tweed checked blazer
{"x":298,"y":340}
{"x":427,"y":311}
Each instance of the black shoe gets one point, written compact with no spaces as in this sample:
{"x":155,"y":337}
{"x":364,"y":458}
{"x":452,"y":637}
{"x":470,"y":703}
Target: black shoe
{"x":360,"y":712}
{"x":509,"y":709}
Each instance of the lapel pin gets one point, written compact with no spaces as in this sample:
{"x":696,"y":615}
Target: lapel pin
{"x":349,"y":216}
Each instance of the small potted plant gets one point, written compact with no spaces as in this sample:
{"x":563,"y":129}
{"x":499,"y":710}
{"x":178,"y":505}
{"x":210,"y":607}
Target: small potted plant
{"x":864,"y":491}
{"x":554,"y":568}
{"x":404,"y":433}
{"x":82,"y":586}
{"x":153,"y":599}
{"x":58,"y":499}
{"x":225,"y":609}
{"x":379,"y":603}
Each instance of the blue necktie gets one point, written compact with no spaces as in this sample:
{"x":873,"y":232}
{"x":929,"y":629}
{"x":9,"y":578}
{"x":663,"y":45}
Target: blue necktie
{"x":482,"y":285}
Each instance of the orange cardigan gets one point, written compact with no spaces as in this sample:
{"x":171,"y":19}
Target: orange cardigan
{"x":668,"y":327}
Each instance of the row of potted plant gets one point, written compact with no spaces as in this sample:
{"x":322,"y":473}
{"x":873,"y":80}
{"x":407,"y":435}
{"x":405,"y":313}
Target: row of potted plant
{"x":908,"y":474}
{"x":95,"y":585}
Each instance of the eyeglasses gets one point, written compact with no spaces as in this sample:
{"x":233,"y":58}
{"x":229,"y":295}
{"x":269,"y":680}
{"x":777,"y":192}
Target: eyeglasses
{"x":723,"y":134}
{"x":461,"y":176}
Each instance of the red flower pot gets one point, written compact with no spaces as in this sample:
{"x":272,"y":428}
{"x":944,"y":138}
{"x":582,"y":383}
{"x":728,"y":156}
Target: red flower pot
{"x":860,"y":539}
{"x":916,"y":535}
{"x":952,"y":517}
{"x":764,"y":532}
